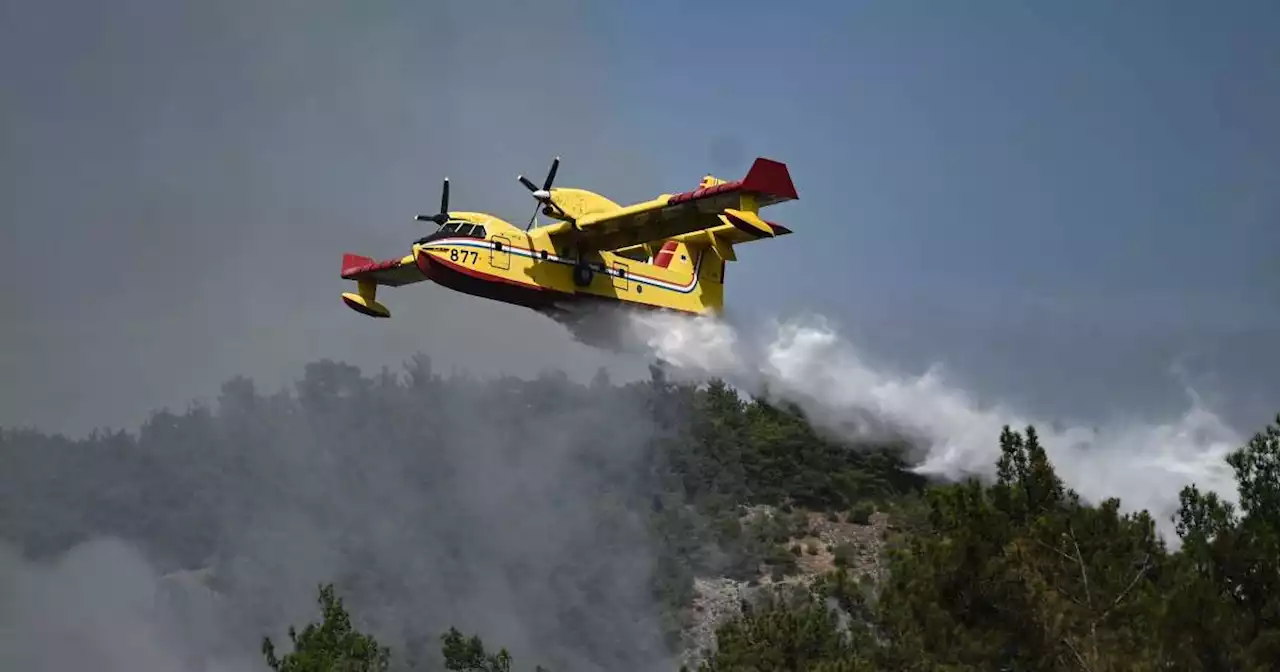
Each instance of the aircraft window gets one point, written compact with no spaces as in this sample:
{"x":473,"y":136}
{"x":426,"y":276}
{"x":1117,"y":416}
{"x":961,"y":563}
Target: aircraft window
{"x":478,"y":231}
{"x":635,"y":255}
{"x":450,"y":227}
{"x":464,"y":229}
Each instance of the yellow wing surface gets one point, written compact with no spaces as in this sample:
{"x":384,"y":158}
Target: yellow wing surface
{"x":369,"y":273}
{"x":719,"y":210}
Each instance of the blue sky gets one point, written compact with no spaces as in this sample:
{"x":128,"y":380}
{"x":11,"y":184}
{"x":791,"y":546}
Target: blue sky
{"x":1059,"y":201}
{"x":1108,"y":170}
{"x":1126,"y":149}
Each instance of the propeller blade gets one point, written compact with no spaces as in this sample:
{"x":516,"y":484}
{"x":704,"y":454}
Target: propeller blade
{"x":551,"y":176}
{"x":442,"y":216}
{"x":543,"y":195}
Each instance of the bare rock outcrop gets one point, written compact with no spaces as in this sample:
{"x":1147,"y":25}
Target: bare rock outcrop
{"x":718,"y":600}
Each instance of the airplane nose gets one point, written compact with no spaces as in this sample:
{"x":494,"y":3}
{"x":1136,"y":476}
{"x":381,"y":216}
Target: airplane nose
{"x":423,"y":261}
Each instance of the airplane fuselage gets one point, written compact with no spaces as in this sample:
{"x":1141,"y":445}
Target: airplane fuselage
{"x":665,"y":253}
{"x":481,"y":255}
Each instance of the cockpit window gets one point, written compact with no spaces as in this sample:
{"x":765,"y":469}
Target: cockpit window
{"x":455,"y":228}
{"x":463,"y":229}
{"x":467,"y":229}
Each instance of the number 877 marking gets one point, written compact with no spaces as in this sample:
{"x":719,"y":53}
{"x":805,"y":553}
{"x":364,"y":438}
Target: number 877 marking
{"x":468,"y":256}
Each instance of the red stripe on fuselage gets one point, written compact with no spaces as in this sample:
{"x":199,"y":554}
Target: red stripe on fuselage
{"x":485,"y":276}
{"x":471,"y":272}
{"x":478,"y":283}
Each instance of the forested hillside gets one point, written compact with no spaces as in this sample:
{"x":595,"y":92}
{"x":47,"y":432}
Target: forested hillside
{"x":573,"y":523}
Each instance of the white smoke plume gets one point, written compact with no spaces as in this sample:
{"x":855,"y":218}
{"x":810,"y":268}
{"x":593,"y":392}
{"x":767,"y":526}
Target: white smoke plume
{"x":806,"y":362}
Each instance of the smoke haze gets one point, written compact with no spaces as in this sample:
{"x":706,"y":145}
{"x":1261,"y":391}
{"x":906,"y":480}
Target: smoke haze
{"x":511,"y":508}
{"x":179,"y":180}
{"x":214,"y":161}
{"x":507,"y":507}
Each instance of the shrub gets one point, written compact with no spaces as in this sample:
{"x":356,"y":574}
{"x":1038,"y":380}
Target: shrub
{"x":860,"y":514}
{"x":845,"y":554}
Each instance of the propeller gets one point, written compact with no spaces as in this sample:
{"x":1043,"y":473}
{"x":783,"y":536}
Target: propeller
{"x":543,"y":195}
{"x":442,"y":216}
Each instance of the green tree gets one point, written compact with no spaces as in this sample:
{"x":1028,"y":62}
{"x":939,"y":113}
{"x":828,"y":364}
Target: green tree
{"x":779,"y":638}
{"x":1021,"y":575}
{"x":1225,"y":611}
{"x":467,"y":654}
{"x":861,"y":513}
{"x":332,"y":645}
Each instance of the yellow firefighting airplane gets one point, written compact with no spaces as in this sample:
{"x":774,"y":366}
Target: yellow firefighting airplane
{"x":666,"y":253}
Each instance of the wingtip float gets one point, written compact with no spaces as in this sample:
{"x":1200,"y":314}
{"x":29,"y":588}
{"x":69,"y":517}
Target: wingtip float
{"x":668,"y":253}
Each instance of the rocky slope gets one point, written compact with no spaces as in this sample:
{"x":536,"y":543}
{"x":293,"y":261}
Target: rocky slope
{"x":822,"y":545}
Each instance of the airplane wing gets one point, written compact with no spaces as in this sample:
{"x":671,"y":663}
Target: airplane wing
{"x":369,"y":273}
{"x":392,"y":272}
{"x":721,"y":238}
{"x":727,"y":203}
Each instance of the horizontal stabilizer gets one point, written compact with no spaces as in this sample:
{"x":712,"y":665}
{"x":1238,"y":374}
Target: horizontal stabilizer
{"x":747,"y":222}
